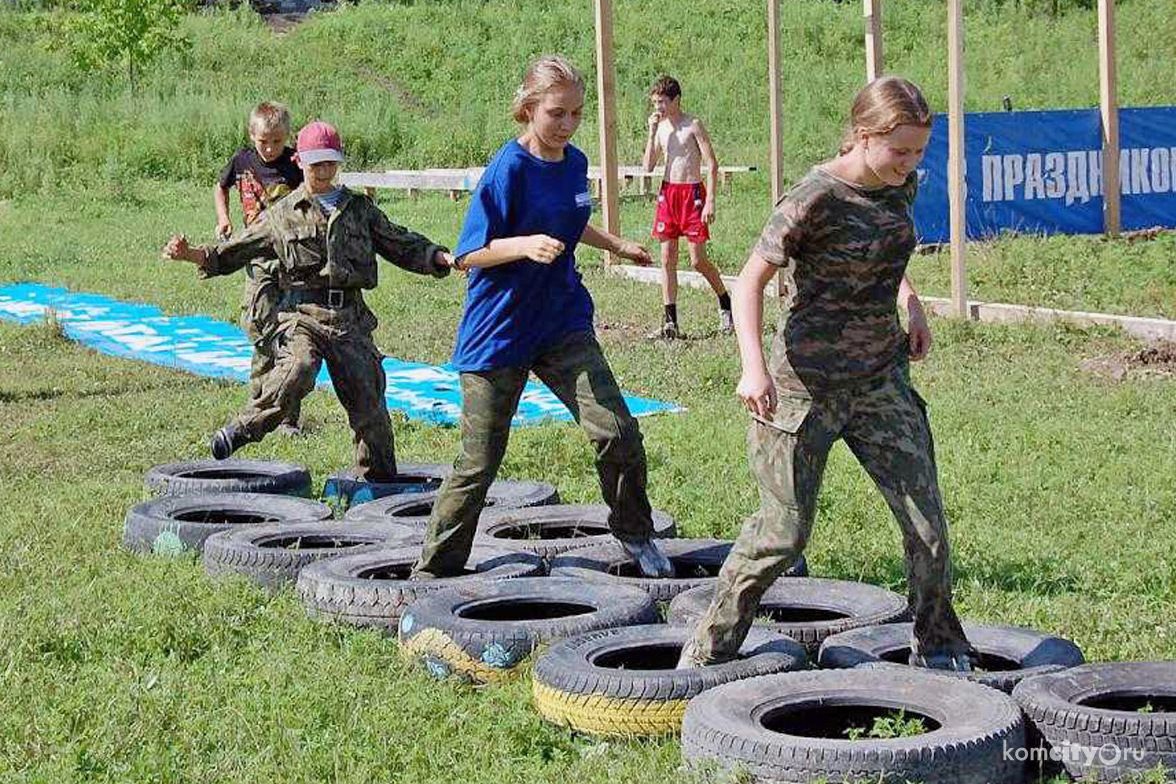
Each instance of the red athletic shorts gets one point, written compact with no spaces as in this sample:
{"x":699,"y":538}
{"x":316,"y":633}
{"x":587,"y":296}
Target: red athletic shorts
{"x":679,"y":212}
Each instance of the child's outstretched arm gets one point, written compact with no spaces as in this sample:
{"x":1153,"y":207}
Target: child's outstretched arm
{"x":626,"y":249}
{"x":711,"y":162}
{"x":225,"y":257}
{"x":407,"y":249}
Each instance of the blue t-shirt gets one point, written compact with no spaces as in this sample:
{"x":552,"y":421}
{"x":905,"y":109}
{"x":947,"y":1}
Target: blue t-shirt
{"x":515,"y":310}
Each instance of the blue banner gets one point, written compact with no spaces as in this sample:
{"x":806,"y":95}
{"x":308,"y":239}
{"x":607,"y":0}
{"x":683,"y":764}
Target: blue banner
{"x":1042,"y":173}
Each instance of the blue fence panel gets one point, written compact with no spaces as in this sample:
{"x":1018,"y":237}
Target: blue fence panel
{"x":1041,"y":173}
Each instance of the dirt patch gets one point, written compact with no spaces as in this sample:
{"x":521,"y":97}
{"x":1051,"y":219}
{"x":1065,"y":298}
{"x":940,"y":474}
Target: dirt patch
{"x":282,"y":16}
{"x":282,"y":23}
{"x":406,"y":99}
{"x":1156,"y":360}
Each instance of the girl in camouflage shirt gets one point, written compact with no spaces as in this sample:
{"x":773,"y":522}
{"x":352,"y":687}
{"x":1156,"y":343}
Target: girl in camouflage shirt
{"x":839,"y":369}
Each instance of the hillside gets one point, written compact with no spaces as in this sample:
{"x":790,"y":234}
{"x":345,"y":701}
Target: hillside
{"x":427,"y":83}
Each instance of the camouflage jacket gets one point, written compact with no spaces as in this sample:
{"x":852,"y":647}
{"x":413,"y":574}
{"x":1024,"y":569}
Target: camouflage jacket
{"x":314,"y":252}
{"x":844,"y":250}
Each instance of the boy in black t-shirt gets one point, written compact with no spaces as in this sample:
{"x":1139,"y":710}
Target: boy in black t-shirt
{"x":262,"y":174}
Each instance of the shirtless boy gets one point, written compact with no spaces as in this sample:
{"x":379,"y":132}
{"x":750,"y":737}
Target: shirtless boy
{"x":685,"y":206}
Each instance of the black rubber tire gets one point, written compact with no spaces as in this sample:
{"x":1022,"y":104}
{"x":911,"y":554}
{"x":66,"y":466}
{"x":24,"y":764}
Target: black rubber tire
{"x":887,"y":646}
{"x":592,"y":683}
{"x":229,"y":476}
{"x":1072,"y":731}
{"x":178,"y":524}
{"x":372,"y":588}
{"x":538,"y":530}
{"x":696,"y":563}
{"x":258,"y":552}
{"x":825,"y":607}
{"x":414,"y":508}
{"x":728,"y":726}
{"x":438,"y":629}
{"x":425,"y":476}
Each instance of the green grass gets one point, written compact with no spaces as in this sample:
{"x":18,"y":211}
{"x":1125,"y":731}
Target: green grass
{"x":122,"y":668}
{"x":405,"y":95}
{"x":895,"y":724}
{"x":117,"y":667}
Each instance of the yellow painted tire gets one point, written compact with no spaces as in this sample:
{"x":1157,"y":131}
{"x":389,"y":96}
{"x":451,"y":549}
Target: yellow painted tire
{"x":623,"y":682}
{"x":599,"y":715}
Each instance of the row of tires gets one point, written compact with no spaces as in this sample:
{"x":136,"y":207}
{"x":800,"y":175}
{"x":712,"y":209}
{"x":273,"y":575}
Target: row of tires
{"x":607,"y":664}
{"x":606,"y":667}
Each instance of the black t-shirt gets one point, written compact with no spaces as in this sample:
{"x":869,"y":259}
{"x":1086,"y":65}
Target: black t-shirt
{"x":259,"y":183}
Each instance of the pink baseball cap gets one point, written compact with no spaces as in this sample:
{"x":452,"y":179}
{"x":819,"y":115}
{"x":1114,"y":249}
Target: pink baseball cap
{"x":319,"y":141}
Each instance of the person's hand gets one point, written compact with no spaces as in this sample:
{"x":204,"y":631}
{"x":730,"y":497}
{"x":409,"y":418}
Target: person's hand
{"x":177,"y":248}
{"x":542,"y":248}
{"x":635,"y":253}
{"x":224,"y":230}
{"x":708,"y":213}
{"x":443,"y":258}
{"x":654,"y":120}
{"x":758,"y":393}
{"x":919,"y":332}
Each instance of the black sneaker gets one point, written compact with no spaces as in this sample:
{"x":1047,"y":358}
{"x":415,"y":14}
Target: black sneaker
{"x":225,"y":442}
{"x":959,"y":662}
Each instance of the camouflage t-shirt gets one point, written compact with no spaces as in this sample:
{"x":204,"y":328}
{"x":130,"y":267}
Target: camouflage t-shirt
{"x":843,"y":250}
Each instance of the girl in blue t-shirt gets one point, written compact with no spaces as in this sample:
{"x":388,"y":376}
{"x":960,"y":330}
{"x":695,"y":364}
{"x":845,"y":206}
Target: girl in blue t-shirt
{"x":527,"y":311}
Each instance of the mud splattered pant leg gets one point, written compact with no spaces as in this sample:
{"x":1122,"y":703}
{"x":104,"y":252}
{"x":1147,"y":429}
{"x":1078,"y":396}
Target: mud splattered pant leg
{"x":576,"y":371}
{"x":489,"y":400}
{"x":305,"y":339}
{"x":259,"y":321}
{"x":788,"y":461}
{"x":889,"y":433}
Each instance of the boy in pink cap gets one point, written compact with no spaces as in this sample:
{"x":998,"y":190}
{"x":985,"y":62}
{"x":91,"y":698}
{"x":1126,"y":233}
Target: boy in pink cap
{"x":325,"y":239}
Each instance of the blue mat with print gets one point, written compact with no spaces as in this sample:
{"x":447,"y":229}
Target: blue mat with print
{"x":206,"y":347}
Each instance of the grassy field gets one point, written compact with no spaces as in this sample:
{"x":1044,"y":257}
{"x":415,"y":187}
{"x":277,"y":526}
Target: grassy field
{"x":121,"y":668}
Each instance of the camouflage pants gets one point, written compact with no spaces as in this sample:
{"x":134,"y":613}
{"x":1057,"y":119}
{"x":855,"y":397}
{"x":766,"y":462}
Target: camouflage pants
{"x":259,"y":321}
{"x":576,"y":371}
{"x":343,"y":338}
{"x":884,"y":423}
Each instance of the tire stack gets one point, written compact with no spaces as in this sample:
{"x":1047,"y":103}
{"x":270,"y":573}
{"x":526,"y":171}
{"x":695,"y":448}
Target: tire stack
{"x":607,"y":666}
{"x":249,"y":518}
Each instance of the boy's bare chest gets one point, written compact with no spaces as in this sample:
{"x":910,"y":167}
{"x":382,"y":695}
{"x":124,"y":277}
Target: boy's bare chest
{"x":679,"y":140}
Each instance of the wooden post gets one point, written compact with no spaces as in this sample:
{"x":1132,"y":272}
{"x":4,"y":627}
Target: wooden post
{"x":606,"y":96}
{"x":776,"y":100}
{"x":1109,"y":101}
{"x":872,"y":10}
{"x":956,"y":190}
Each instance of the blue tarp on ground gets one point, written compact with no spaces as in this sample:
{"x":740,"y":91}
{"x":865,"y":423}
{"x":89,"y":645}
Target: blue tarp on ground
{"x":206,"y":347}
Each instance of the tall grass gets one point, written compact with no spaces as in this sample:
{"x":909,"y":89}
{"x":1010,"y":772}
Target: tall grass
{"x":427,"y":83}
